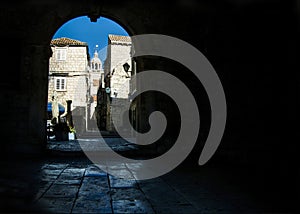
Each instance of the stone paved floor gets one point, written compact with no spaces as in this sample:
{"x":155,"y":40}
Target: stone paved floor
{"x":73,"y":146}
{"x":81,"y":187}
{"x":58,"y":184}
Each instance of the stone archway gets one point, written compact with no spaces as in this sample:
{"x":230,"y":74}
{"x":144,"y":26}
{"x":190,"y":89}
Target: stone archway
{"x":250,"y":43}
{"x":30,"y":28}
{"x":34,"y":69}
{"x":231,"y":36}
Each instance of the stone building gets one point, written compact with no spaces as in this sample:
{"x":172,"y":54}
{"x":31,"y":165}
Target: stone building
{"x":118,"y":84}
{"x":68,"y":77}
{"x":95,"y":84}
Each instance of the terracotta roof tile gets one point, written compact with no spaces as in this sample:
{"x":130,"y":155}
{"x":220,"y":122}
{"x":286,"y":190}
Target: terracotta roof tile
{"x":67,"y":41}
{"x":119,"y":38}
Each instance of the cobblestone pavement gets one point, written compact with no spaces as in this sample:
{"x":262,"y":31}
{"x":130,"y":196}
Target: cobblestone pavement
{"x":81,"y":187}
{"x":73,"y":146}
{"x":58,"y":184}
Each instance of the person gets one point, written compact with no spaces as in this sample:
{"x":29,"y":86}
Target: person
{"x":55,"y":110}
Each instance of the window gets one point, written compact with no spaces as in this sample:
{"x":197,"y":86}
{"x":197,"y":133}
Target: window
{"x":61,"y":53}
{"x":60,"y":83}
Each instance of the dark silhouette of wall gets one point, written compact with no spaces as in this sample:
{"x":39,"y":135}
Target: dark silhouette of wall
{"x":251,"y":44}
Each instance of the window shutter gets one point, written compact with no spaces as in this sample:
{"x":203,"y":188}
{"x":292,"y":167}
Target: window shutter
{"x":62,"y":84}
{"x":57,"y":84}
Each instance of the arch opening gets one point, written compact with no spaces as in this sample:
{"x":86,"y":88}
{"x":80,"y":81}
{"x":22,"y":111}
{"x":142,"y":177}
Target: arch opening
{"x":82,"y":77}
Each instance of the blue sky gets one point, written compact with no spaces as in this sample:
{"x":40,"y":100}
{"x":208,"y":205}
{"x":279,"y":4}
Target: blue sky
{"x":94,"y":33}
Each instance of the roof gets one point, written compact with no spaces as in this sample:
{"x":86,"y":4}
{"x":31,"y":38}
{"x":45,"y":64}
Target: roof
{"x":96,"y":60}
{"x":119,"y":38}
{"x":67,"y":41}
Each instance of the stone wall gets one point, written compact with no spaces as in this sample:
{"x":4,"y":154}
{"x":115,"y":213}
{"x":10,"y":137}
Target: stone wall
{"x":74,"y":69}
{"x":120,"y":53}
{"x":117,"y":113}
{"x":119,"y":82}
{"x":95,"y":81}
{"x":76,"y":60}
{"x":76,"y":91}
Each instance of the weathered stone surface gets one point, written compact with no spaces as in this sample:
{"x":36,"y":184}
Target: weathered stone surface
{"x":122,"y":183}
{"x":62,"y":191}
{"x":56,"y":205}
{"x":92,"y":205}
{"x":64,"y":181}
{"x":127,"y":194}
{"x":132,"y":206}
{"x":76,"y":185}
{"x":94,"y":171}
